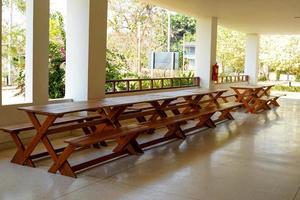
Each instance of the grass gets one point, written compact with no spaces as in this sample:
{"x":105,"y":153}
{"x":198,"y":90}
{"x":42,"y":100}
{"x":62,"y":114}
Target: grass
{"x":286,"y":88}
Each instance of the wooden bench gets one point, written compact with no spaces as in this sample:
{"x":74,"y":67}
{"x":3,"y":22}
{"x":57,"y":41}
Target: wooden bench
{"x":275,"y":98}
{"x":225,"y":97}
{"x":146,"y":107}
{"x":265,"y":102}
{"x":59,"y":125}
{"x":225,"y":110}
{"x":125,"y":136}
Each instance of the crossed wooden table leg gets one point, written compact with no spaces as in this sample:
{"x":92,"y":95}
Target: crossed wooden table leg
{"x":265,"y":91}
{"x":246,"y":97}
{"x":214,"y":98}
{"x":194,"y":105}
{"x":127,"y":143}
{"x":124,"y":144}
{"x":23,"y":157}
{"x":173,"y":130}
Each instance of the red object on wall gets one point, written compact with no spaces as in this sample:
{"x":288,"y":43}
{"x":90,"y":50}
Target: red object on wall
{"x":215,"y":72}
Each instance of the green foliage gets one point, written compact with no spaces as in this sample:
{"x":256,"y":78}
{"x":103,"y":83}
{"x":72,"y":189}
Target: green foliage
{"x":14,"y":38}
{"x":116,"y":66}
{"x":183,"y":29}
{"x":56,"y":71}
{"x":286,"y":88}
{"x":297,"y":78}
{"x":278,"y":75}
{"x":13,"y":45}
{"x":281,"y":54}
{"x":135,"y":23}
{"x":20,"y":4}
{"x":263,"y":78}
{"x":231,"y":50}
{"x":57,"y":57}
{"x":117,"y":69}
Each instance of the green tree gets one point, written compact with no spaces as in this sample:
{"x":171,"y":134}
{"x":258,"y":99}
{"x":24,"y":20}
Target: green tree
{"x":132,"y":24}
{"x":281,"y":54}
{"x":57,"y":57}
{"x":13,"y":39}
{"x":13,"y":44}
{"x":231,"y":50}
{"x":183,"y":28}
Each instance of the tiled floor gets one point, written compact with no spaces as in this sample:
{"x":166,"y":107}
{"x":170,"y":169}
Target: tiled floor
{"x":255,"y":157}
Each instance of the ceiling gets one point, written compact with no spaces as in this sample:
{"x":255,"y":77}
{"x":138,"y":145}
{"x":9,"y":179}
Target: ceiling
{"x":249,"y":16}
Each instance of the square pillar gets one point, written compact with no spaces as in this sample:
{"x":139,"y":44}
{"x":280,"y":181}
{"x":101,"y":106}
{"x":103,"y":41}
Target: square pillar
{"x":86,"y":49}
{"x":37,"y":53}
{"x":252,"y":57}
{"x":206,"y":49}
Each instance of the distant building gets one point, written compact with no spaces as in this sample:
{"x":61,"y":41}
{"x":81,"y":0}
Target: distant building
{"x":164,"y":60}
{"x":189,"y":55}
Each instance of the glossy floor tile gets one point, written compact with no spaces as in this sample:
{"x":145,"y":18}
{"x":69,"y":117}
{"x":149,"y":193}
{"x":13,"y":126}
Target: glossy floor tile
{"x":113,"y":190}
{"x":255,"y":157}
{"x":24,"y":183}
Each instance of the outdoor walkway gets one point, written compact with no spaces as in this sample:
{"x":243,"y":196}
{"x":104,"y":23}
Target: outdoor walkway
{"x":255,"y":157}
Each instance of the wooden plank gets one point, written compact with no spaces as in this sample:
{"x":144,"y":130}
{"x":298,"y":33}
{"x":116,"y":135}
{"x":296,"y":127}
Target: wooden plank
{"x":229,"y":105}
{"x":64,"y":108}
{"x":107,"y":135}
{"x":96,"y":161}
{"x":74,"y":126}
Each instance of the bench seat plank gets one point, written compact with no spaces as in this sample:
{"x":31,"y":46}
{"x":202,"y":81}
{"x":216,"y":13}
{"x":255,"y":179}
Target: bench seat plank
{"x":135,"y":128}
{"x":181,"y":118}
{"x":229,"y":105}
{"x":28,"y":126}
{"x":88,"y":140}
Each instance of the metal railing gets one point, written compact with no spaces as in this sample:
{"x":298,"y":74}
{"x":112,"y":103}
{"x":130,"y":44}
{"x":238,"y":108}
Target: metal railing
{"x":137,"y":85}
{"x":232,"y":79}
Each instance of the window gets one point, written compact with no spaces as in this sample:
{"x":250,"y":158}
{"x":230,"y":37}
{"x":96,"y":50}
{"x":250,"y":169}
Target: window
{"x":13,"y":51}
{"x":57,"y":49}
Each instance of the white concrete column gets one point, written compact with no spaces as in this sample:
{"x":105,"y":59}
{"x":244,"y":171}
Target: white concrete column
{"x":252,"y":57}
{"x":86,"y":49}
{"x":206,"y":49}
{"x":37,"y":42}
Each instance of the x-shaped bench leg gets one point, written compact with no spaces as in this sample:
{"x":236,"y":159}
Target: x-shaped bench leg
{"x":175,"y":131}
{"x":61,"y":163}
{"x":206,"y":120}
{"x":225,"y":114}
{"x":260,"y":105}
{"x":128,"y":143}
{"x":23,"y":156}
{"x":214,"y":98}
{"x":20,"y":150}
{"x":274,"y":102}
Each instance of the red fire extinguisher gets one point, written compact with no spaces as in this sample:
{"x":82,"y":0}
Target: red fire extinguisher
{"x":215,"y":72}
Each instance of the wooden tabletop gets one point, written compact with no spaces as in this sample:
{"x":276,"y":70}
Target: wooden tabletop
{"x":251,"y":86}
{"x":60,"y":109}
{"x":185,"y":93}
{"x":71,"y":107}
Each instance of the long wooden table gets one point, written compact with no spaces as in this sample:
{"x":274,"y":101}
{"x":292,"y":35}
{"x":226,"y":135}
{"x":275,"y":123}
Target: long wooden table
{"x":110,"y":111}
{"x":249,"y":95}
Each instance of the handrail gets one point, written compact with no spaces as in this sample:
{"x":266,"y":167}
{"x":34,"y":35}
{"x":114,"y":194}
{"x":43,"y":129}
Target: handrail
{"x":137,"y":85}
{"x":232,"y":79}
